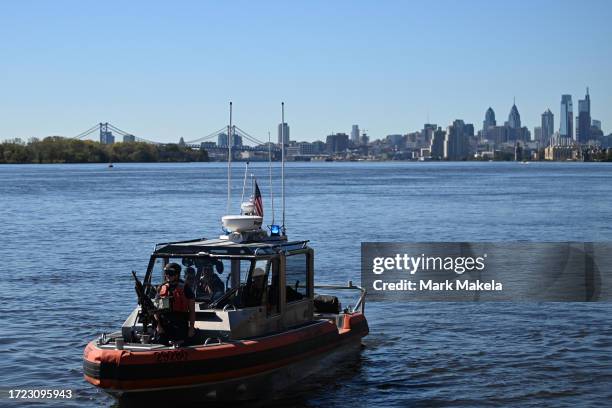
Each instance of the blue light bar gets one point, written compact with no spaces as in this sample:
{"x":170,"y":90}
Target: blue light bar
{"x":275,"y":229}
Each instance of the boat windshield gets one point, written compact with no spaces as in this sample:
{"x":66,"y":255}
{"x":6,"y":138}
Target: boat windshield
{"x":239,"y":282}
{"x":256,"y":284}
{"x":208,"y":278}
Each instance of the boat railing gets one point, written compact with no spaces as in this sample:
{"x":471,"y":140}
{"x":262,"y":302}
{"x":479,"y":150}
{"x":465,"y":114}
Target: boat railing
{"x":360,"y":305}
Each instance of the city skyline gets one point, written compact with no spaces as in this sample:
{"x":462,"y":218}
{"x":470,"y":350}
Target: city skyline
{"x":513,"y":122}
{"x":162,"y":72}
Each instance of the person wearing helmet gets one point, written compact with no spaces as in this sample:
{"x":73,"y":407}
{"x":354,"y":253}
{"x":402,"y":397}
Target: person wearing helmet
{"x":178,"y":303}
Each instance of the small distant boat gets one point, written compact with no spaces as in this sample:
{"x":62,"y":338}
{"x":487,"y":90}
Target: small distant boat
{"x":111,"y":165}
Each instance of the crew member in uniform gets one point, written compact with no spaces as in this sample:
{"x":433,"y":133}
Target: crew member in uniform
{"x":178,"y":307}
{"x":210,"y":284}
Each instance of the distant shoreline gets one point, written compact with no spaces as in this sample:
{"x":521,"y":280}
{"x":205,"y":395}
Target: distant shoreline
{"x":416,"y":162}
{"x":59,"y":150}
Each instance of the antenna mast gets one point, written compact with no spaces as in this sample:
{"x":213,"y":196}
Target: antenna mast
{"x":270,"y":167}
{"x":229,"y":161}
{"x":283,"y":162}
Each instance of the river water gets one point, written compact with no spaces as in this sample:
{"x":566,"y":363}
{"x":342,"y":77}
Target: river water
{"x":71,"y":234}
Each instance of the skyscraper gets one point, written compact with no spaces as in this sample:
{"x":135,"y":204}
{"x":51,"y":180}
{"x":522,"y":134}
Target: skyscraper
{"x":498,"y":134}
{"x":548,"y":127}
{"x":469,"y":129}
{"x":437,"y":144}
{"x":336,"y":143}
{"x":489,"y":122}
{"x":427,"y":134}
{"x":537,"y":134}
{"x":355,"y":134}
{"x":107,"y":137}
{"x":514,"y":131}
{"x":456,"y":142}
{"x":364,"y":140}
{"x":286,"y":133}
{"x":566,"y":124}
{"x":596,"y":124}
{"x":583,"y":128}
{"x":514,"y":118}
{"x":237,"y":140}
{"x":222,"y":140}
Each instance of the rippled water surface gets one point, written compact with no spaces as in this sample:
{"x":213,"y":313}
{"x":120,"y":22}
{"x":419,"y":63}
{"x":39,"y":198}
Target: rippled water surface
{"x":72,"y":233}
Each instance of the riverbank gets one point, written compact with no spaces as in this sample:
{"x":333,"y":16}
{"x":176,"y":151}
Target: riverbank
{"x":62,"y":150}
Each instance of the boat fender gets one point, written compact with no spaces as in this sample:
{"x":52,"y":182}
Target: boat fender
{"x":346,"y":324}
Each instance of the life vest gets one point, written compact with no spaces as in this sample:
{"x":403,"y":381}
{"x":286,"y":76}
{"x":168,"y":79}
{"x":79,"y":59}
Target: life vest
{"x":178,"y":300}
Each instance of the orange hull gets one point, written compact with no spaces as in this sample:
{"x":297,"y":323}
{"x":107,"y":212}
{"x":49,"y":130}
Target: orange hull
{"x":124,"y":371}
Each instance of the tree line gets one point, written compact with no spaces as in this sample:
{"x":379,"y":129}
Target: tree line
{"x":56,"y":149}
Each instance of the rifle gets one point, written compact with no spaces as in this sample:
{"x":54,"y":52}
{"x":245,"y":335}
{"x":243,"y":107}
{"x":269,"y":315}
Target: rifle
{"x":147,"y":308}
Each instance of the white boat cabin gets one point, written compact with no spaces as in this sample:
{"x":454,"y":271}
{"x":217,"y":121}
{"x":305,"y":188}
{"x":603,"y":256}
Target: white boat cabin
{"x":242,"y":290}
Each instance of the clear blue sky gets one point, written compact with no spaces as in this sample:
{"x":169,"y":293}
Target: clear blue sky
{"x":168,"y":69}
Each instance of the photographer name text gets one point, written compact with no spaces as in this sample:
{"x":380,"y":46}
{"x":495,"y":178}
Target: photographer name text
{"x":430,"y":285}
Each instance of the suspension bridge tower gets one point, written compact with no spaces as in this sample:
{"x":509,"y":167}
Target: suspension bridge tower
{"x":106,"y":136}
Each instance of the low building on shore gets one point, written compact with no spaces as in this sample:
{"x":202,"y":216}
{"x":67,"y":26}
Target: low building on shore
{"x":561,"y":153}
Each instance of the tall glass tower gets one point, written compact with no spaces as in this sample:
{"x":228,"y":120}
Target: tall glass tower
{"x":283,"y":131}
{"x":548,"y":126}
{"x":566,"y":126}
{"x":488,"y":122}
{"x":355,"y":134}
{"x":514,"y":118}
{"x":583,"y":130}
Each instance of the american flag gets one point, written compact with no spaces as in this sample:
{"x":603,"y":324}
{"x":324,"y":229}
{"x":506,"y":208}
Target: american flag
{"x":258,"y":202}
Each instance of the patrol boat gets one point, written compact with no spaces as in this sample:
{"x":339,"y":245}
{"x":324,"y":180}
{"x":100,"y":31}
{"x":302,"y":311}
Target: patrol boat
{"x":267,"y":328}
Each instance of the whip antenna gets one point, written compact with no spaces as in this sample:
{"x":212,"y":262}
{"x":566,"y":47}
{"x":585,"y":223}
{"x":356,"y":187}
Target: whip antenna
{"x":283,"y":161}
{"x":270,"y":168}
{"x":229,"y":160}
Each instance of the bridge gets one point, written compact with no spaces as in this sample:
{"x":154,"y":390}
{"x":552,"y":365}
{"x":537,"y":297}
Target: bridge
{"x":107,"y":133}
